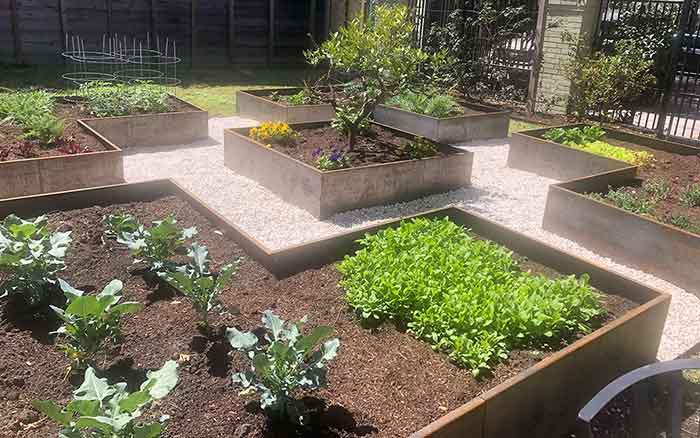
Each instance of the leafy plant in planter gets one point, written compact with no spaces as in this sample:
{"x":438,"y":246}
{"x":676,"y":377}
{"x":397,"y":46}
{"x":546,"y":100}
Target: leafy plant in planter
{"x":101,"y":410}
{"x":31,"y":256}
{"x":198,"y":283}
{"x":367,"y":62}
{"x":156,"y":245}
{"x":105,"y":99}
{"x":91,"y":321}
{"x":439,"y":105}
{"x":285,"y":363}
{"x":334,"y":160}
{"x":116,"y":225}
{"x":33,"y":111}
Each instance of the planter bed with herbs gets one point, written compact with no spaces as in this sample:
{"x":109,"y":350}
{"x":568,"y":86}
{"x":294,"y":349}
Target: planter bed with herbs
{"x":449,"y":122}
{"x":45,"y":147}
{"x":289,"y":105}
{"x":194,"y":287}
{"x":310,"y":166}
{"x":143,"y":115}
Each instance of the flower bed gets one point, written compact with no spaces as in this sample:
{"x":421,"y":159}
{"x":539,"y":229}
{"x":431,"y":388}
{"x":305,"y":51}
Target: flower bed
{"x":373,"y":369}
{"x":479,"y":122}
{"x":258,"y":105}
{"x":380,"y":170}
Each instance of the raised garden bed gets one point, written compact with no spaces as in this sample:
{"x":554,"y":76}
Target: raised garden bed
{"x":81,"y":158}
{"x":183,"y":125}
{"x":378,"y":175}
{"x":374,"y":368}
{"x":257,"y":104}
{"x":578,"y":209}
{"x":479,"y":122}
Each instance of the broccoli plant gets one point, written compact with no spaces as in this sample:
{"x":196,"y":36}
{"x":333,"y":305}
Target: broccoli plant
{"x":91,"y":321}
{"x":101,"y":410}
{"x":198,"y":283}
{"x":368,"y":61}
{"x":115,"y":225}
{"x":283,"y":364}
{"x":156,"y":245}
{"x":31,"y":256}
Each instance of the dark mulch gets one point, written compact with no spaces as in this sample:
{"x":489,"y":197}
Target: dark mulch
{"x":379,"y":145}
{"x":384,"y":383}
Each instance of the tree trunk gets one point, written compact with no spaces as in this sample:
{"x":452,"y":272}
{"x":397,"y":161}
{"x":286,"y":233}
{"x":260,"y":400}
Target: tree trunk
{"x":352,"y":138}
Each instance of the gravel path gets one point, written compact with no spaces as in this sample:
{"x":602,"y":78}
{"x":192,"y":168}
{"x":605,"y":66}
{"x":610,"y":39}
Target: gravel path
{"x":511,"y":197}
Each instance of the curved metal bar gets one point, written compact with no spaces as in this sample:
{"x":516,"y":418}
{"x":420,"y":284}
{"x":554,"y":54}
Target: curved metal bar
{"x":598,"y":402}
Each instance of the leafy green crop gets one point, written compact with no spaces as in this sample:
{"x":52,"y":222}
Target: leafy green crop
{"x":91,"y":321}
{"x":420,"y":147}
{"x":33,"y":111}
{"x":156,"y":245}
{"x":101,"y":410}
{"x":690,"y":196}
{"x":286,"y":364}
{"x":198,"y":283}
{"x":629,"y":199}
{"x":464,"y":295}
{"x":32,"y":256}
{"x":438,"y":105}
{"x":115,"y":225}
{"x":106,"y":100}
{"x":575,"y":136}
{"x":304,"y":97}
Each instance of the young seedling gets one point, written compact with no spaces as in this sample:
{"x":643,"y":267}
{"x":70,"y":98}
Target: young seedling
{"x":91,"y":322}
{"x":198,"y":283}
{"x":116,"y":225}
{"x":284,"y":363}
{"x":31,"y":256}
{"x":101,"y":410}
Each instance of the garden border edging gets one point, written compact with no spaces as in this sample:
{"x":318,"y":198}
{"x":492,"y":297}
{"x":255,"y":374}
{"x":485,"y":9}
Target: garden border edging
{"x":531,"y":403}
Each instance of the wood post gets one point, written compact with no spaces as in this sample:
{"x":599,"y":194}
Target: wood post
{"x":154,"y":18}
{"x":62,"y":25}
{"x":193,"y":30}
{"x":312,"y":23}
{"x":271,"y":35}
{"x":109,"y":17}
{"x":16,"y":37}
{"x":231,"y":31}
{"x":533,"y":86}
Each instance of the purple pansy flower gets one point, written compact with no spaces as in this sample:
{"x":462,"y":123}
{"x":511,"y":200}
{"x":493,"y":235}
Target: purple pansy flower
{"x":316,"y":153}
{"x":336,"y":155}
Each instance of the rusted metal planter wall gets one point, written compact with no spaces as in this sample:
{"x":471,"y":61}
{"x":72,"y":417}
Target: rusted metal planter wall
{"x":326,"y":193}
{"x":489,"y":123}
{"x":165,"y":129}
{"x":255,"y":105}
{"x":64,"y":172}
{"x":541,"y":401}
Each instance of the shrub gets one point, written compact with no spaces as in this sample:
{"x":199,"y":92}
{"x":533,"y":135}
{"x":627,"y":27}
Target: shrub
{"x":31,"y":256}
{"x":99,"y":409}
{"x":91,"y":322}
{"x":439,"y":105}
{"x":273,"y":132}
{"x":106,"y":100}
{"x":334,"y":160}
{"x":464,"y":295}
{"x":33,"y":111}
{"x":156,"y":245}
{"x":690,"y":196}
{"x":198,"y":283}
{"x":367,"y":62}
{"x":285,"y":364}
{"x":419,"y":148}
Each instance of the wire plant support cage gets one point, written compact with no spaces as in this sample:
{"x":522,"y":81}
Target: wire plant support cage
{"x":121,"y":60}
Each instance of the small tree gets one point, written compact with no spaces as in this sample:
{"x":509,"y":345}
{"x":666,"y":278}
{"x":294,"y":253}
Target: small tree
{"x":367,"y":62}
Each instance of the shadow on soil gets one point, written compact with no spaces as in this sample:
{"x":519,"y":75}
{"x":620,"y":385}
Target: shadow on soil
{"x":39,"y":319}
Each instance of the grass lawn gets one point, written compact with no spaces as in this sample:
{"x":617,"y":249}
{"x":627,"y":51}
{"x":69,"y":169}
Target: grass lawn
{"x":519,"y":125}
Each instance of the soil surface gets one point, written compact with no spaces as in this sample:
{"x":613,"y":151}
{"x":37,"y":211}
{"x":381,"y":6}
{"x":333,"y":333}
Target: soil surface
{"x":379,"y":145}
{"x":384,"y":383}
{"x":14,"y":148}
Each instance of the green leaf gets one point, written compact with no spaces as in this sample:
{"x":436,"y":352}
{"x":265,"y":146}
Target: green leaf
{"x":88,"y":408}
{"x":93,"y":388}
{"x":152,"y":430}
{"x":162,"y":381}
{"x":273,"y":324}
{"x":104,"y":424}
{"x":134,"y":401}
{"x":70,"y":292}
{"x":240,"y":340}
{"x":113,"y":288}
{"x":85,"y":306}
{"x":309,"y":341}
{"x":126,"y":308}
{"x":52,"y":411}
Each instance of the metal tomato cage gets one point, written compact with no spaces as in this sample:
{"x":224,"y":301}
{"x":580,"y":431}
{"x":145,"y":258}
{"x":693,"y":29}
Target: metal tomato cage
{"x":121,"y":60}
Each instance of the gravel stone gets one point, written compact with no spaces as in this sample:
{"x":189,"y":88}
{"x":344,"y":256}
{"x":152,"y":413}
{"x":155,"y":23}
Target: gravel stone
{"x":511,"y":197}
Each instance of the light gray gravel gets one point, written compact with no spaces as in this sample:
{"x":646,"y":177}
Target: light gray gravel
{"x":508,"y":196}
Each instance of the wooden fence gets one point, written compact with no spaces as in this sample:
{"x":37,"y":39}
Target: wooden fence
{"x":240,"y":31}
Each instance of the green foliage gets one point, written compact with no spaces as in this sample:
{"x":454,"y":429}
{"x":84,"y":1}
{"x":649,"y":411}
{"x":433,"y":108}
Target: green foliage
{"x":605,"y":82}
{"x":629,"y":199}
{"x":30,"y":256}
{"x":116,"y":225}
{"x":575,"y":136}
{"x":464,"y":295}
{"x":198,"y":283}
{"x":683,"y":222}
{"x":656,"y":189}
{"x":91,"y":322}
{"x":436,"y":105}
{"x":690,"y":196}
{"x":304,"y":97}
{"x":104,"y":99}
{"x":334,"y":160}
{"x":371,"y":60}
{"x":33,"y":111}
{"x":419,"y":148}
{"x":101,"y":410}
{"x":156,"y":245}
{"x":285,"y":364}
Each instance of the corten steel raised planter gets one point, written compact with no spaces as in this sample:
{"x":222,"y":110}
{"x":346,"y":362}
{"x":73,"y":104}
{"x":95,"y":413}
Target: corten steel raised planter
{"x":326,"y":193}
{"x":162,"y":129}
{"x":479,"y":123}
{"x":254,"y":104}
{"x":541,"y":401}
{"x":64,"y":172}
